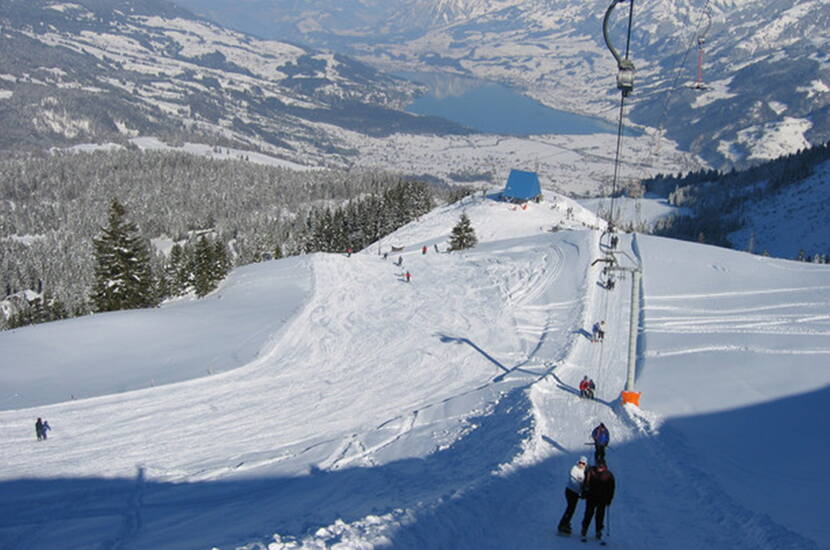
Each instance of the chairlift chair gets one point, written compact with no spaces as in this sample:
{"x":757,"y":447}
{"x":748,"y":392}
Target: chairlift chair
{"x":625,"y":67}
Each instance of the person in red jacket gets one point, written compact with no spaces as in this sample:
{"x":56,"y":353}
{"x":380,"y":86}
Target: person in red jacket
{"x":583,"y":386}
{"x":598,"y":489}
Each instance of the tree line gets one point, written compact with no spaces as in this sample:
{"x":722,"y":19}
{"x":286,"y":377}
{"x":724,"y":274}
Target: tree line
{"x":717,"y":202}
{"x":57,"y":225}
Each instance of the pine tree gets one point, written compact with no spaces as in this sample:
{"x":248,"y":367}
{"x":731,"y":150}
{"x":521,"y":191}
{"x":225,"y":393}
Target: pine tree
{"x":203,"y":268}
{"x":463,"y":235}
{"x":178,"y":271}
{"x":221,"y":261}
{"x":123,"y":276}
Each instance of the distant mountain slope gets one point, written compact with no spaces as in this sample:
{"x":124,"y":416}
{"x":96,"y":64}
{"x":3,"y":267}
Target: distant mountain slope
{"x":95,"y":70}
{"x":775,"y":208}
{"x":765,"y":66}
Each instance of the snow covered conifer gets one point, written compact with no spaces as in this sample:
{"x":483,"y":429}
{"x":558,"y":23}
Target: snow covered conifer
{"x":178,"y":271}
{"x":203,"y":267}
{"x":123,"y":276}
{"x":463,"y":235}
{"x":221,"y":261}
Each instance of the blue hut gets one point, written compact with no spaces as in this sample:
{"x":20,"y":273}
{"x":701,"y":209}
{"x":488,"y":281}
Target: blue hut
{"x":522,"y":187}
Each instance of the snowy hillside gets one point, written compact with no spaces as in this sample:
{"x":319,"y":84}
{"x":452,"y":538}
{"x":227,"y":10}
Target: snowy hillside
{"x":764,"y":69}
{"x":790,"y":220}
{"x":90,"y":74}
{"x":346,"y":408}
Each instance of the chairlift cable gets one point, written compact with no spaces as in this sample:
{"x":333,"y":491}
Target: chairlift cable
{"x":625,"y":83}
{"x":675,"y":70}
{"x":677,"y":75}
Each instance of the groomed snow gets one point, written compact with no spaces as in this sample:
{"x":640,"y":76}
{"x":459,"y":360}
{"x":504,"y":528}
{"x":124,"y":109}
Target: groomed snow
{"x":367,"y":412}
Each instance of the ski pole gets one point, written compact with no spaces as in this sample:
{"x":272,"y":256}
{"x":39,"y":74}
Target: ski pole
{"x":608,"y":516}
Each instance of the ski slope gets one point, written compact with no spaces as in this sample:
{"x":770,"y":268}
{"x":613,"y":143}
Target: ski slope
{"x":324,"y":402}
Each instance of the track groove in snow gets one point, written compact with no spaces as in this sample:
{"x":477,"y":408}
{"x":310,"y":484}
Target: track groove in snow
{"x":442,"y":413}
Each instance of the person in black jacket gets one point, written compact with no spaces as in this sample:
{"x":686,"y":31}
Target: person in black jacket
{"x":598,"y":489}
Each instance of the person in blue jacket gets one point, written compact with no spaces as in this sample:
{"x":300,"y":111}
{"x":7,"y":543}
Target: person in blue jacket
{"x":601,"y":439}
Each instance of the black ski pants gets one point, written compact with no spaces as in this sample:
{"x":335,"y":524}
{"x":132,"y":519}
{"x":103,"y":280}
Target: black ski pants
{"x":599,"y":453}
{"x":573,"y":499}
{"x":592,"y":506}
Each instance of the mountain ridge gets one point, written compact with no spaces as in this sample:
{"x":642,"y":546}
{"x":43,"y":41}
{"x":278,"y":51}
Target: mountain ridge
{"x":115,"y":70}
{"x":762,"y":67}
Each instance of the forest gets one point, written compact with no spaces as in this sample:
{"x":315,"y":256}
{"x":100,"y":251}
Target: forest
{"x":717,"y":201}
{"x":53,"y":206}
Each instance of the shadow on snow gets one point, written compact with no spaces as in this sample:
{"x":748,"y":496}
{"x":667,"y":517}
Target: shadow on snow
{"x":458,"y":502}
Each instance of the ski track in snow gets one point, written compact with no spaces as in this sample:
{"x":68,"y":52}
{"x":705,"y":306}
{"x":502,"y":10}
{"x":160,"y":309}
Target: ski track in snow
{"x":705,"y":503}
{"x":467,"y":447}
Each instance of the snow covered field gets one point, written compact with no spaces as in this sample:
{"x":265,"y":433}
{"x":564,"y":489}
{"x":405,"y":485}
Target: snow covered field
{"x":348,"y":409}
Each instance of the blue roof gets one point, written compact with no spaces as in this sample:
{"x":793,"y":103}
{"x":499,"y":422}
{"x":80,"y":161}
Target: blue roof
{"x":522,"y":185}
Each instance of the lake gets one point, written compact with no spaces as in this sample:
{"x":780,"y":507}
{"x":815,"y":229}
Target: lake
{"x":493,"y":108}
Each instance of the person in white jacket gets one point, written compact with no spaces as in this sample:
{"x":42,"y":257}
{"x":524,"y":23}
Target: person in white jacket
{"x":572,"y":493}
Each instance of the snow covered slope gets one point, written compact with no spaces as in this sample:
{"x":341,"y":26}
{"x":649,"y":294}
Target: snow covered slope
{"x":439,"y":413}
{"x":765,"y":67}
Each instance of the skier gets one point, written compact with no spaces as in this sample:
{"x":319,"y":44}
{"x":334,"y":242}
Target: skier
{"x":572,"y":493}
{"x":349,"y":252}
{"x":610,"y":284}
{"x":598,"y":332}
{"x":601,"y":439}
{"x":400,"y":261}
{"x":599,"y":492}
{"x":408,"y":275}
{"x":586,"y":387}
{"x":45,"y":428}
{"x":591,"y":388}
{"x":424,"y":249}
{"x":39,"y":429}
{"x":583,"y":386}
{"x":614,"y":241}
{"x":435,"y":246}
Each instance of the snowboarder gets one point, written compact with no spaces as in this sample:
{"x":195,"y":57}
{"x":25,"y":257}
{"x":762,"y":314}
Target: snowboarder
{"x":601,"y":439}
{"x":39,"y":429}
{"x":572,"y":493}
{"x":598,"y":332}
{"x":598,"y":489}
{"x":407,"y":275}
